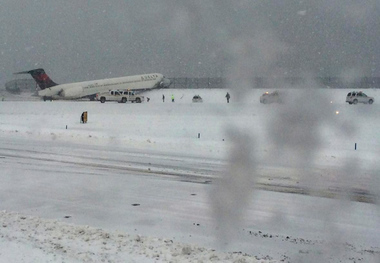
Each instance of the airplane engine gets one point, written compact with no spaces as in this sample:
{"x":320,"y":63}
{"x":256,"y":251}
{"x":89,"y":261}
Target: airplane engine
{"x":74,"y":92}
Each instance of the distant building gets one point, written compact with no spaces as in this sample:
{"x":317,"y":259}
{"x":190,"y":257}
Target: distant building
{"x":21,"y":85}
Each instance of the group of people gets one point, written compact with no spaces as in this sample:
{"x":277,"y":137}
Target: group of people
{"x":163,"y":98}
{"x":228,"y":96}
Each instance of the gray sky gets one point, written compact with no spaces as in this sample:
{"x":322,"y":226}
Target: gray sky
{"x":83,"y":40}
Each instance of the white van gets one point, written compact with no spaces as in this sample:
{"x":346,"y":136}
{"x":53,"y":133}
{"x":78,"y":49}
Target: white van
{"x":121,"y":96}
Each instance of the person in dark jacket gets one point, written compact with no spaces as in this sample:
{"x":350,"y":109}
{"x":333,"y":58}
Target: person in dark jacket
{"x":228,"y":97}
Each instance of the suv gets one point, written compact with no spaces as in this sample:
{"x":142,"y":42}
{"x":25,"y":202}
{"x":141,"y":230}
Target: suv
{"x":270,"y":97}
{"x":197,"y":98}
{"x":121,"y":96}
{"x":356,"y":97}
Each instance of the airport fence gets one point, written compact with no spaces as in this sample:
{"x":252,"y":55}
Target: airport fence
{"x":276,"y":83}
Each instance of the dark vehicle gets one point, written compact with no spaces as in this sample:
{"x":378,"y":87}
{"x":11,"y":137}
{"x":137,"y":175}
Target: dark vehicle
{"x":197,"y":98}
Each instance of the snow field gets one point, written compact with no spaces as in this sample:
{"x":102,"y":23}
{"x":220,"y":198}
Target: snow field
{"x":150,"y":153}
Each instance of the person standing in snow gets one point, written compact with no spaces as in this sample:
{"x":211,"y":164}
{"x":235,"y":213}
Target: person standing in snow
{"x":172,"y":98}
{"x":228,"y":97}
{"x":163,"y":98}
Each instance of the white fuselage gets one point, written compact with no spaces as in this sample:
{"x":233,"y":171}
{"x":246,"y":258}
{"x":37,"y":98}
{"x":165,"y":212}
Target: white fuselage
{"x":87,"y":88}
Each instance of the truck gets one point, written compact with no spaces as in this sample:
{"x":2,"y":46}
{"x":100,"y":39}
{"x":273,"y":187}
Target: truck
{"x":121,"y":96}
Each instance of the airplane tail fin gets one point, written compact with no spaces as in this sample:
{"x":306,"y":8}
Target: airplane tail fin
{"x":42,"y":79}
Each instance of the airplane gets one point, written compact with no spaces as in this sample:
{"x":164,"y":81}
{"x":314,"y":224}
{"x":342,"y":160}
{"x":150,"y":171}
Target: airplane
{"x":49,"y":90}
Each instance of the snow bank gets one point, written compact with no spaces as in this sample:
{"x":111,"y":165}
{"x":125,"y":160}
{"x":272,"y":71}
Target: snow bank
{"x":32,"y":239}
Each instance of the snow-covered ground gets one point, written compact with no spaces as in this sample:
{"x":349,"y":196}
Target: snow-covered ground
{"x":191,"y":182}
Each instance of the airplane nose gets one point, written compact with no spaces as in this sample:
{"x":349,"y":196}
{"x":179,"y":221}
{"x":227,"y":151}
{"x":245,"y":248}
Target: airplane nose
{"x":166,"y":83}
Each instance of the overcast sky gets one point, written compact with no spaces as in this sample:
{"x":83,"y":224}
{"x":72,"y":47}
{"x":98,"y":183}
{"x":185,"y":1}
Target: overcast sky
{"x":83,"y":40}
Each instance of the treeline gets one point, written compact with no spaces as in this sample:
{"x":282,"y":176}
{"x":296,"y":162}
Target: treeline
{"x":20,"y":85}
{"x":276,"y":83}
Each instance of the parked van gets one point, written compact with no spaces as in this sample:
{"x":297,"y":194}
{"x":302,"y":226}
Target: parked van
{"x":121,"y":96}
